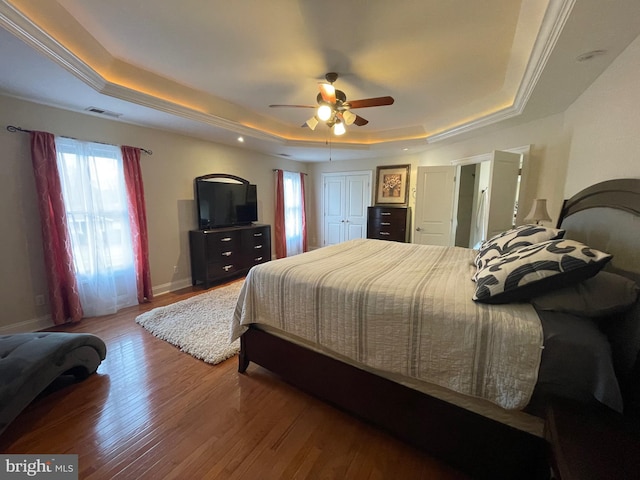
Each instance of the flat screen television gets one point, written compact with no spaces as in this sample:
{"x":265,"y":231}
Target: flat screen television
{"x":224,"y":203}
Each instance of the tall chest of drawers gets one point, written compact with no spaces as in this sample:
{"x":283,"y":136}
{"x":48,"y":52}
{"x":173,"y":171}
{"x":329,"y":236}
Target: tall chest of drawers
{"x":221,"y":253}
{"x":388,"y":223}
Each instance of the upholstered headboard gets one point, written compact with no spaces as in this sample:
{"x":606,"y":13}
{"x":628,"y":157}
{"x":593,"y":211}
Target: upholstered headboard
{"x":606,"y":216}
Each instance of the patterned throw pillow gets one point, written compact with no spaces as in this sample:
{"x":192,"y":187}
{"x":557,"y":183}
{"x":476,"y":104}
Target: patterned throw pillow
{"x":535,"y":269}
{"x":513,"y":239}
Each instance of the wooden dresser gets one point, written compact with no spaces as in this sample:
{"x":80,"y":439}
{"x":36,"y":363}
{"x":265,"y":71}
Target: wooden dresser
{"x":388,"y":223}
{"x":221,"y":253}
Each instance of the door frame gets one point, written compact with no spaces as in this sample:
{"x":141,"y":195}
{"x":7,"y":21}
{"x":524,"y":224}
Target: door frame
{"x":524,"y":151}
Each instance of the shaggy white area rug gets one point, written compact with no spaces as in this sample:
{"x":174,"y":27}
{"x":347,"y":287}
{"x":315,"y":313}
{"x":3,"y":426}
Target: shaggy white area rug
{"x":200,"y":325}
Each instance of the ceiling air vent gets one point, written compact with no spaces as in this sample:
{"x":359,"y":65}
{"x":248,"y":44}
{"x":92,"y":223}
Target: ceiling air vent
{"x":102,"y":111}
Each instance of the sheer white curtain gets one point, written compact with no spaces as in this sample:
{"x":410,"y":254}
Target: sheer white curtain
{"x":94,"y":193}
{"x":293,"y":212}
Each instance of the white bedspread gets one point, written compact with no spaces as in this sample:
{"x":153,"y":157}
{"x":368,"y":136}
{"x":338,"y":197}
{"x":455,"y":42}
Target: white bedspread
{"x":400,"y":308}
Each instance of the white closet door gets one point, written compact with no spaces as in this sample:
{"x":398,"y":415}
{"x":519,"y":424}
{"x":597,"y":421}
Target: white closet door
{"x":358,"y":196}
{"x":334,"y":201}
{"x":346,"y":198}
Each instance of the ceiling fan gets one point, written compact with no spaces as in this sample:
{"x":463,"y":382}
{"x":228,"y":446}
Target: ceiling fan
{"x":334,"y":109}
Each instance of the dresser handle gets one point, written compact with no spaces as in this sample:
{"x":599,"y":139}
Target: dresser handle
{"x":257,"y":247}
{"x":257,"y":259}
{"x":385,"y":233}
{"x":385,"y":213}
{"x":257,"y":234}
{"x":226,"y":268}
{"x":225,"y":239}
{"x":385,"y":223}
{"x":226,"y":254}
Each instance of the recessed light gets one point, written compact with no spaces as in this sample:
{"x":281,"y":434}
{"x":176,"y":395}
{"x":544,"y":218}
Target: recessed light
{"x":405,"y":149}
{"x":589,"y":55}
{"x":241,"y":139}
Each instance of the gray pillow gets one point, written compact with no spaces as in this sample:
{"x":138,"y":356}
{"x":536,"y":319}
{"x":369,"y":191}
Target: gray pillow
{"x":530,"y":271}
{"x":599,"y":296}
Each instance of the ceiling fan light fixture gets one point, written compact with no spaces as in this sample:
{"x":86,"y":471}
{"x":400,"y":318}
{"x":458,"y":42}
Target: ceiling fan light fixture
{"x":324,"y":112}
{"x":348,"y":117}
{"x":312,"y":123}
{"x":338,"y":129}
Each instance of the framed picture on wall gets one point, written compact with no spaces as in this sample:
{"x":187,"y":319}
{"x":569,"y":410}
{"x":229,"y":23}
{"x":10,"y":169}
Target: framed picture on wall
{"x":392,"y":185}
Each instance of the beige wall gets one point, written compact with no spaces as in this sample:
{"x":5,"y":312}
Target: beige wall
{"x":168,"y":181}
{"x":605,"y":125}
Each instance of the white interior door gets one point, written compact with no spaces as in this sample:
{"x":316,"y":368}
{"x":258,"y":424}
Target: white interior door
{"x":503,"y":188}
{"x":435,"y":193}
{"x":346,"y":198}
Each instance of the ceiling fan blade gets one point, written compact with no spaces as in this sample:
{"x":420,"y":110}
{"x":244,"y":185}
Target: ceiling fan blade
{"x":371,"y":102}
{"x":293,"y":106}
{"x":360,"y":121}
{"x":328,"y":92}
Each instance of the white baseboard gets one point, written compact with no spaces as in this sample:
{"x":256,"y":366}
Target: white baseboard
{"x":171,"y":286}
{"x":35,"y":324}
{"x":32,"y":325}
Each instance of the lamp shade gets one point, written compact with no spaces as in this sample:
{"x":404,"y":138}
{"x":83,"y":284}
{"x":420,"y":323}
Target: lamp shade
{"x":338,"y":128}
{"x":538,"y":211}
{"x":349,"y":117}
{"x":312,"y":123}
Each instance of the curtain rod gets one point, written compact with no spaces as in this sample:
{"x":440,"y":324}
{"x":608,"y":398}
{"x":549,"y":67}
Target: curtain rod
{"x":278,"y":169}
{"x":13,"y":129}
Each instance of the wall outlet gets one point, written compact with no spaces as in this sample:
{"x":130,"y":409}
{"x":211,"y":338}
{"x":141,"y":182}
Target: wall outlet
{"x":175,"y":269}
{"x":39,"y":300}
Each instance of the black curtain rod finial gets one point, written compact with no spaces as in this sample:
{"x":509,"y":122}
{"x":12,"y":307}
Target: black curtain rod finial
{"x":13,"y":129}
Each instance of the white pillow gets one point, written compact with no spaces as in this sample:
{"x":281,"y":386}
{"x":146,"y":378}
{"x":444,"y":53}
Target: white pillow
{"x":513,"y":239}
{"x":535,"y":269}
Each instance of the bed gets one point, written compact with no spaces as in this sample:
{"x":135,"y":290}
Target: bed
{"x":331,"y":322}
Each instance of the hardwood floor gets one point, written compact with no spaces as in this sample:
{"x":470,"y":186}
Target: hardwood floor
{"x":152,"y":411}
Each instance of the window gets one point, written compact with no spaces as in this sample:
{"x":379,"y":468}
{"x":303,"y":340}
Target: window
{"x":293,"y":212}
{"x":95,"y":200}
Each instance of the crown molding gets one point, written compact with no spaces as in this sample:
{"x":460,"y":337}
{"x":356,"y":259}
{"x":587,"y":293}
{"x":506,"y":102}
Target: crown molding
{"x":22,"y":27}
{"x":554,"y":21}
{"x":30,"y":33}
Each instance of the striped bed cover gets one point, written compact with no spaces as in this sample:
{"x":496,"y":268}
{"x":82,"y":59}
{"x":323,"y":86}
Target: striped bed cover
{"x":400,"y":308}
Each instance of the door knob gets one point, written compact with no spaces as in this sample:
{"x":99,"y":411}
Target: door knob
{"x":418,"y":229}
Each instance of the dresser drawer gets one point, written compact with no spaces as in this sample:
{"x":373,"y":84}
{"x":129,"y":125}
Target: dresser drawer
{"x":222,"y":241}
{"x":255,"y":237}
{"x":388,"y":214}
{"x":220,"y":269}
{"x":395,"y":236}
